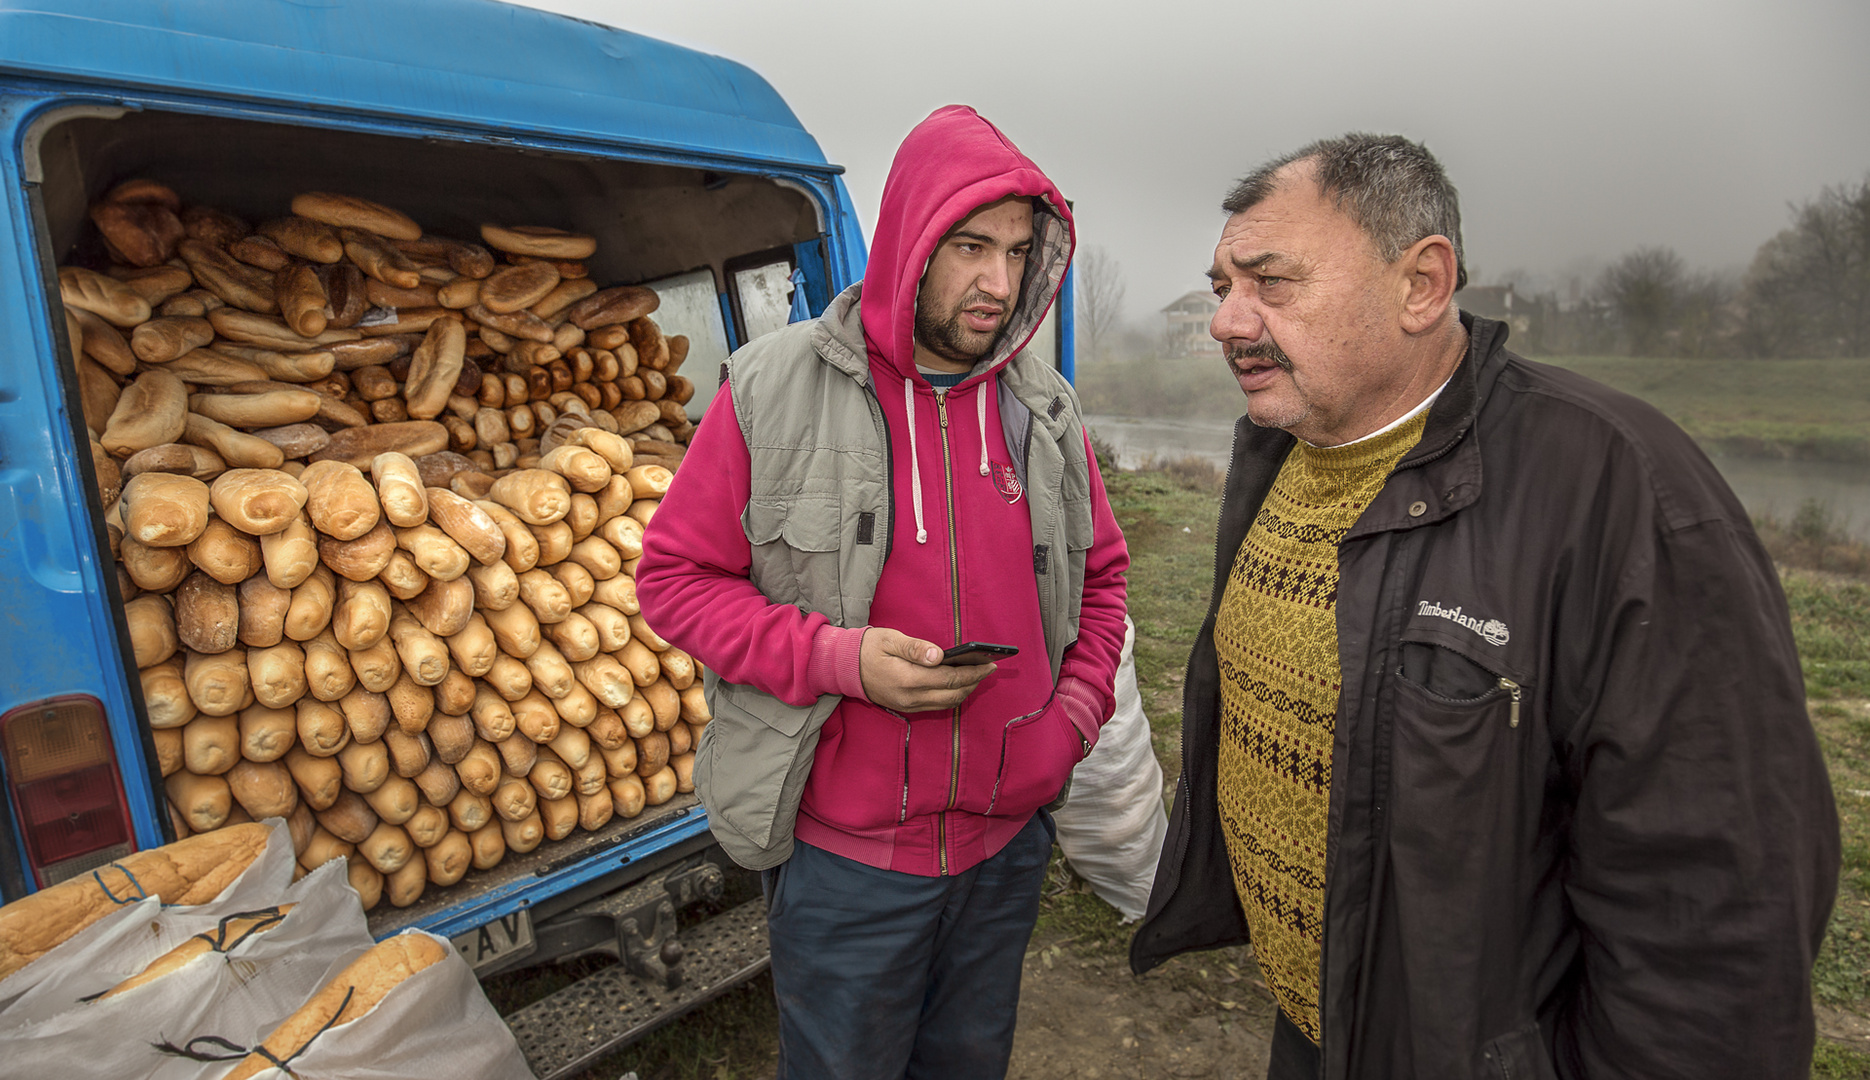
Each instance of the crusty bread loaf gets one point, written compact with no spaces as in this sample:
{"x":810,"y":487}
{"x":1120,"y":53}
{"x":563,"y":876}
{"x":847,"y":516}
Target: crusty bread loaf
{"x":434,"y":368}
{"x":164,"y":509}
{"x":187,"y":872}
{"x":302,"y":300}
{"x":99,"y":340}
{"x":349,"y":211}
{"x":151,"y":411}
{"x":143,"y":233}
{"x":377,"y":259}
{"x":260,"y":252}
{"x":311,"y":240}
{"x":241,"y":286}
{"x":105,"y":297}
{"x":258,"y":502}
{"x":356,"y":991}
{"x":268,"y":408}
{"x":538,"y":241}
{"x":620,"y":304}
{"x":342,"y":503}
{"x":516,"y":287}
{"x":235,"y":448}
{"x":361,"y":445}
{"x":263,"y":609}
{"x":159,"y":341}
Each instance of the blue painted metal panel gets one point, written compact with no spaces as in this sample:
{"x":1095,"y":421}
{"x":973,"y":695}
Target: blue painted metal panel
{"x":476,"y":64}
{"x":485,"y":71}
{"x":1067,"y":316}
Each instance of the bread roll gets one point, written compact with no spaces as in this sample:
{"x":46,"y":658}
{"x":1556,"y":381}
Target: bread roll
{"x":516,"y":630}
{"x":517,"y":754}
{"x":489,"y":845}
{"x":165,"y":694}
{"x":258,"y":502}
{"x":470,"y":810}
{"x":210,"y":745}
{"x":606,"y":730}
{"x":377,"y":667}
{"x":577,"y":707}
{"x":435,"y":552}
{"x":263,"y":609}
{"x":302,"y":301}
{"x":402,"y":577}
{"x":207,"y":614}
{"x":291,"y":554}
{"x":606,"y":679}
{"x":204,"y":801}
{"x":597,"y":556}
{"x":664,"y":701}
{"x":349,"y":817}
{"x":388,"y":847}
{"x":341,"y":502}
{"x":560,"y":816}
{"x":368,"y":883}
{"x":105,"y":297}
{"x":538,"y":240}
{"x":535,"y":496}
{"x":639,"y":626}
{"x":508,"y":677}
{"x":595,"y":810}
{"x":627,"y":795}
{"x":360,"y":559}
{"x":379,"y":260}
{"x":224,"y":553}
{"x":152,"y":629}
{"x":535,"y":717}
{"x":551,"y":673}
{"x":438,"y":782}
{"x":323,"y":848}
{"x":353,"y":993}
{"x":266,"y":734}
{"x":366,"y":766}
{"x":395,"y":801}
{"x":677,"y":667}
{"x":447,"y":860}
{"x":555,"y":541}
{"x":454,"y":695}
{"x":277,"y":674}
{"x":362,"y":614}
{"x":522,"y":548}
{"x":524,"y":835}
{"x":321,"y":728}
{"x":544,"y":596}
{"x":681,"y":740}
{"x":429,"y":825}
{"x":263,"y":789}
{"x":619,"y":760}
{"x":264,"y":409}
{"x":164,"y":509}
{"x":410,"y":752}
{"x":367,"y":714}
{"x":575,"y":637}
{"x":309,"y":613}
{"x":187,"y":872}
{"x":481,"y":768}
{"x":621,"y":304}
{"x":582,"y":519}
{"x":399,"y":489}
{"x":411,"y":703}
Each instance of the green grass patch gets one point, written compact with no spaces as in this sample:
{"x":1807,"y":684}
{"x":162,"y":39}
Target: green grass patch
{"x":1803,"y":410}
{"x":1831,"y":623}
{"x":1833,"y":1061}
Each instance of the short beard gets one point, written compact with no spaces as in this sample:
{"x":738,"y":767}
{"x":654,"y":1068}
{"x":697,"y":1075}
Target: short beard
{"x":947,"y":338}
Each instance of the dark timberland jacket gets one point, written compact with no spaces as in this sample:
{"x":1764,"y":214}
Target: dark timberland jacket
{"x":1579,"y":824}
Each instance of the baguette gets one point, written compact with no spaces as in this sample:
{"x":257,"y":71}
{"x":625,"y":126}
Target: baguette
{"x":321,"y":728}
{"x":266,"y":409}
{"x":237,"y":448}
{"x":269,"y":332}
{"x":454,"y":695}
{"x":538,"y":241}
{"x":577,"y":582}
{"x":423,"y":655}
{"x":535,"y":718}
{"x":551,"y":674}
{"x":438,"y":781}
{"x":621,"y":304}
{"x":619,"y":761}
{"x":410,"y":753}
{"x":232,"y":932}
{"x":263,"y":789}
{"x":628,"y":795}
{"x":98,"y":395}
{"x":489,"y":845}
{"x":522,"y":547}
{"x":522,"y":324}
{"x":509,"y":678}
{"x":468,"y":525}
{"x":355,"y":992}
{"x":361,"y":445}
{"x":399,"y":489}
{"x":402,"y":577}
{"x":152,"y":629}
{"x":314,"y":241}
{"x":517,"y":754}
{"x":435,"y":552}
{"x":660,"y":786}
{"x":595,"y":810}
{"x":302,"y":301}
{"x":106,"y":297}
{"x":435,"y":368}
{"x":187,"y":872}
{"x":241,"y":286}
{"x":514,"y":287}
{"x":578,"y":707}
{"x":101,"y":342}
{"x":349,"y":817}
{"x":258,"y":251}
{"x":204,"y":801}
{"x":313,"y":599}
{"x":480,"y":771}
{"x":290,"y":555}
{"x":535,"y":496}
{"x":159,"y":341}
{"x":492,"y":716}
{"x":560,"y":816}
{"x":350,"y":212}
{"x":157,"y":284}
{"x":318,"y":777}
{"x":366,"y":881}
{"x":184,"y":460}
{"x":378,"y":259}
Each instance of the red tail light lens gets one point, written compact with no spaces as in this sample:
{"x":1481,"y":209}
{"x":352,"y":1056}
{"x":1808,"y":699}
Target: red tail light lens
{"x":66,"y":792}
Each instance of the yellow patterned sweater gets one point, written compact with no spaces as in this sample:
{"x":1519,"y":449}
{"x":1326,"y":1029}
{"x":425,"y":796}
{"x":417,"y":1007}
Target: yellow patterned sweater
{"x":1277,"y":639}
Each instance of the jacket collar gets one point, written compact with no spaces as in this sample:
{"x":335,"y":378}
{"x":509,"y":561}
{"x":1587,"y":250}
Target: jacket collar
{"x":838,"y":335}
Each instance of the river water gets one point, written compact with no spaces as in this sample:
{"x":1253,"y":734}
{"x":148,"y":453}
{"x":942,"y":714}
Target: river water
{"x":1765,"y":487}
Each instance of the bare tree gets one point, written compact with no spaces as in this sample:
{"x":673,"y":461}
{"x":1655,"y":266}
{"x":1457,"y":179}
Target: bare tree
{"x":1645,"y":288}
{"x":1808,"y":291}
{"x":1099,"y":300}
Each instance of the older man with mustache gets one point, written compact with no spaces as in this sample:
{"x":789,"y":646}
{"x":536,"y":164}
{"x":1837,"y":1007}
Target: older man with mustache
{"x":1495,"y":743}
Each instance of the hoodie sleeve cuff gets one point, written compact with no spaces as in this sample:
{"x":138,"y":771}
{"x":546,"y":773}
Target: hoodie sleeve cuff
{"x":1083,"y":707}
{"x":833,"y":667}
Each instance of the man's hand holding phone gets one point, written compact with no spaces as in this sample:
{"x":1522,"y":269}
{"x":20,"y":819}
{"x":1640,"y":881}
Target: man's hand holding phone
{"x":909,"y":674}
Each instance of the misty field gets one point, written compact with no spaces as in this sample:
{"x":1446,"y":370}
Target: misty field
{"x":1804,"y":410}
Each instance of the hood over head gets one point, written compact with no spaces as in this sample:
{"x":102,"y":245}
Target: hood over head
{"x":951,"y":164}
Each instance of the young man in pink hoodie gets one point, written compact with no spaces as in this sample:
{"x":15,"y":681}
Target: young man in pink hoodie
{"x":868,"y":489}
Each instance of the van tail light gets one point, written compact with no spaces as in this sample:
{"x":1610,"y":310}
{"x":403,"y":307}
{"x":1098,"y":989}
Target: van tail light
{"x":66,"y":792}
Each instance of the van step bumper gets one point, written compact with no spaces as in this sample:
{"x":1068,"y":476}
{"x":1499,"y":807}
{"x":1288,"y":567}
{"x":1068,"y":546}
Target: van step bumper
{"x":565,"y":1031}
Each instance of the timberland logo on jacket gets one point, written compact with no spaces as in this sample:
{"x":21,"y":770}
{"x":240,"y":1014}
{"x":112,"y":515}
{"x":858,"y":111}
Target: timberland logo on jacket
{"x":1492,"y":630}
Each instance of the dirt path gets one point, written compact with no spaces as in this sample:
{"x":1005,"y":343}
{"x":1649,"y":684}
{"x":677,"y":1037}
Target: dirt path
{"x":1083,"y":1016}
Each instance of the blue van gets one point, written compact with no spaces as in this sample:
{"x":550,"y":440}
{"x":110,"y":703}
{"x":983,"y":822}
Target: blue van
{"x":691,"y":171}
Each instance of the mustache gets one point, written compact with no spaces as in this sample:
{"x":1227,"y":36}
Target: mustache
{"x":1265,"y":350}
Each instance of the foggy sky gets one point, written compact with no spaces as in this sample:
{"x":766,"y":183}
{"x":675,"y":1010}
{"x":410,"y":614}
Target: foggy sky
{"x":1575,"y":131}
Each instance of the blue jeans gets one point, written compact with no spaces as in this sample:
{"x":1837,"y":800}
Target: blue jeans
{"x":882,"y":975}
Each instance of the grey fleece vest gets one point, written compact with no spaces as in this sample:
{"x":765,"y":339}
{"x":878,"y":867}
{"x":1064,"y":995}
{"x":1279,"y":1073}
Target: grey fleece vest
{"x":819,"y":518}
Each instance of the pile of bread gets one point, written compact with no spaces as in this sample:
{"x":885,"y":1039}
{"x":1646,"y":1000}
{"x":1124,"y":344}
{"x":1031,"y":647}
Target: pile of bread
{"x":377,"y":499}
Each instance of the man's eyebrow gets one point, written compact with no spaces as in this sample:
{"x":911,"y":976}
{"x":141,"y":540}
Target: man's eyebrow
{"x":1259,"y":261}
{"x":990,"y":241}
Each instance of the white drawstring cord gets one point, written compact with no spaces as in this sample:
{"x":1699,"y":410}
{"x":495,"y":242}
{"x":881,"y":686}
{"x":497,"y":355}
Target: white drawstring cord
{"x":915,"y":468}
{"x":980,"y":412}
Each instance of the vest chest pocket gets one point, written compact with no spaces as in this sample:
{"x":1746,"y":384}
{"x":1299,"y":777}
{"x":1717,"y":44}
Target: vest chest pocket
{"x":795,"y":544}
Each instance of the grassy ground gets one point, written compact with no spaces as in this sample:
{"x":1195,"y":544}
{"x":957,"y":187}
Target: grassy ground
{"x":1807,"y":410}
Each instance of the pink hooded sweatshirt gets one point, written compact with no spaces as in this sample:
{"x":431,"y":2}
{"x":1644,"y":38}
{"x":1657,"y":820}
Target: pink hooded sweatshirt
{"x":925,"y":793}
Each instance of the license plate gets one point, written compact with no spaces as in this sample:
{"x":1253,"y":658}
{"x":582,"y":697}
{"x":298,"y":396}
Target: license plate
{"x":509,"y":935}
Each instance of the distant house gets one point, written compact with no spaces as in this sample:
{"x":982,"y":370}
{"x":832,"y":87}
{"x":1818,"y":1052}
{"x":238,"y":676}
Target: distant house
{"x":1524,"y":314}
{"x":1186,"y":329}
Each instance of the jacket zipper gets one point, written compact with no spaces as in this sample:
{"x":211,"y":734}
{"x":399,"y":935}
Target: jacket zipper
{"x":1512,"y":688}
{"x":954,"y":601}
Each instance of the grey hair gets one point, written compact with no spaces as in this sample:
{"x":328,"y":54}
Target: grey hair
{"x":1392,"y":188}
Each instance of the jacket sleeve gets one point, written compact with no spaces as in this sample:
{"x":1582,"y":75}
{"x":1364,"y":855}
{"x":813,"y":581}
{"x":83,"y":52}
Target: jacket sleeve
{"x":1705,"y":844}
{"x":693,"y":584}
{"x":1091,"y":661}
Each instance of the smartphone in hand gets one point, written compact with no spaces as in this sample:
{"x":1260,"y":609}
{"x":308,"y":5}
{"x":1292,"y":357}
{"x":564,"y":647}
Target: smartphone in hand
{"x":978,"y":652}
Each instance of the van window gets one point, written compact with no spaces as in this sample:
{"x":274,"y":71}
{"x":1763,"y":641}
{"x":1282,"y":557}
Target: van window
{"x":691,"y":306}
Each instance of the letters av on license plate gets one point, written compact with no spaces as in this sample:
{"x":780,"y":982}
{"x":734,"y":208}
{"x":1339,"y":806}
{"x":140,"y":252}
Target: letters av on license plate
{"x":506,"y":936}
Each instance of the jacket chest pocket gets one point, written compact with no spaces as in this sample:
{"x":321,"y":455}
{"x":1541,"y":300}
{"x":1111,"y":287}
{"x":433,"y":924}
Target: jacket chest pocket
{"x":795,"y":551}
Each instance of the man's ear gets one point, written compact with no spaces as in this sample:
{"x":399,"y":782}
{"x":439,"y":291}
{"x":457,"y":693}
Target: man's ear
{"x":1428,"y":282}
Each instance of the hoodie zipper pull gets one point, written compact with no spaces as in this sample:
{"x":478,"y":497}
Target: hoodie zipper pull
{"x":1511,"y":687}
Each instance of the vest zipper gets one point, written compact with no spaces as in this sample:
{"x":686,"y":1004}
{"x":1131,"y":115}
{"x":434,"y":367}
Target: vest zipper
{"x":954,"y":600}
